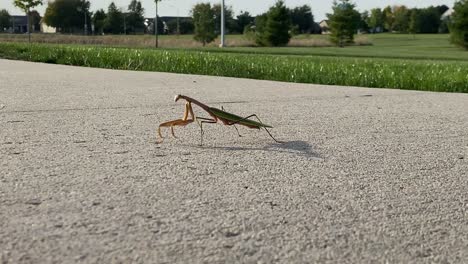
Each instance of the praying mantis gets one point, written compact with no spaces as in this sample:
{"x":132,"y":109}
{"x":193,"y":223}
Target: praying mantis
{"x":216,"y":114}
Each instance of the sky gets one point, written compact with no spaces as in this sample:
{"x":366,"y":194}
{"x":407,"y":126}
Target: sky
{"x":182,"y":7}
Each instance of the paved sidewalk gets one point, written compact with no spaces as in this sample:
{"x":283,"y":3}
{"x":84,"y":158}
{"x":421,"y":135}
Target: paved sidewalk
{"x":365,"y":175}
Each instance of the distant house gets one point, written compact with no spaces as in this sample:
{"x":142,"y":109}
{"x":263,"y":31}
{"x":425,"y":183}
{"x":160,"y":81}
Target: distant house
{"x":19,"y":24}
{"x":169,"y":24}
{"x":149,"y":23}
{"x":47,"y":29}
{"x":447,"y":14}
{"x":324,"y":26}
{"x":376,"y":30}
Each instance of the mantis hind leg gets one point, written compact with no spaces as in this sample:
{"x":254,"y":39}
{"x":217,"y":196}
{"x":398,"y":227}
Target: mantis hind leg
{"x":266,"y":129}
{"x":222,"y":108}
{"x":237,"y":131}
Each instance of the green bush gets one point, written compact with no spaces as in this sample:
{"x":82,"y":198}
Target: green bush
{"x":459,"y":24}
{"x":343,"y":23}
{"x":273,"y":28}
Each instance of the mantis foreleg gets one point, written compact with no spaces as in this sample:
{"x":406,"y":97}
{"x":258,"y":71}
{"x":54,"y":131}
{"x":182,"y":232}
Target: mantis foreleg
{"x":178,"y":122}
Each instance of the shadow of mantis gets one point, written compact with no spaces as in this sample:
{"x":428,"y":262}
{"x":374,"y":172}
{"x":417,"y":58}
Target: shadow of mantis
{"x":300,"y":148}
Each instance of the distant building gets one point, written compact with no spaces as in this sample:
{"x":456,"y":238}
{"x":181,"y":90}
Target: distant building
{"x":19,"y":24}
{"x":376,"y":30}
{"x":46,"y":29}
{"x":447,"y":14}
{"x":324,"y":26}
{"x":169,"y":24}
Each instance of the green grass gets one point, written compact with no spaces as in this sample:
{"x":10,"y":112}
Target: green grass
{"x":403,"y":46}
{"x":427,"y":75}
{"x":395,"y":46}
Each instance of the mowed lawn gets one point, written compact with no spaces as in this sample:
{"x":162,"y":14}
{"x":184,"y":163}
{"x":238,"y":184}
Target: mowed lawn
{"x":417,"y":62}
{"x":399,"y":46}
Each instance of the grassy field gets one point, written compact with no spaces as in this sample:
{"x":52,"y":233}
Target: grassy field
{"x":396,"y":46}
{"x":427,"y":75}
{"x":420,"y":62}
{"x":165,"y":41}
{"x":404,"y":46}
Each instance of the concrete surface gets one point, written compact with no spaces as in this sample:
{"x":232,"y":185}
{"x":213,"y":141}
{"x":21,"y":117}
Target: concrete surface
{"x":365,"y":175}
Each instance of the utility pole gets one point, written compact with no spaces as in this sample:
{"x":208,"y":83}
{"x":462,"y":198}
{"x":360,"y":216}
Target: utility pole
{"x":29,"y":25}
{"x":123,"y":9}
{"x":85,"y":23}
{"x":222,"y":25}
{"x":83,"y":9}
{"x":156,"y":24}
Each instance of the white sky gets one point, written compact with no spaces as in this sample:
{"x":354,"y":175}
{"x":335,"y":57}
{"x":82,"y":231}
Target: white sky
{"x":182,"y":7}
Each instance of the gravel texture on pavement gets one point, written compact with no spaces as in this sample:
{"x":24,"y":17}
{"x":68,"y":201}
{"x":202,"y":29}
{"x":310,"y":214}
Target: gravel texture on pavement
{"x":364,"y":176}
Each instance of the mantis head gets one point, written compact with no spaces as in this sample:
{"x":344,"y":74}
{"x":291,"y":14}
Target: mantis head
{"x":177,"y":97}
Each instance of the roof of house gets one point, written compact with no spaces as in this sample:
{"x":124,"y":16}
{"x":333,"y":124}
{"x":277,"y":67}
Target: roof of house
{"x":447,"y":13}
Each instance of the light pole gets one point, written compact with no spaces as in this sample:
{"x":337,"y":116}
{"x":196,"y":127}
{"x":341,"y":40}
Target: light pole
{"x":85,"y":23}
{"x":156,"y":24}
{"x":124,"y":13}
{"x":222,"y":25}
{"x":80,"y":9}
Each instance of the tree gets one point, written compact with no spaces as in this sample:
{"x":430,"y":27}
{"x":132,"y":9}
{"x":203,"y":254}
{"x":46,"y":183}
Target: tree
{"x":343,"y":22}
{"x":5,"y":20}
{"x":244,"y":19}
{"x":179,"y":25}
{"x":302,"y":18}
{"x":430,"y":20}
{"x":135,"y":17}
{"x":99,"y":21}
{"x":114,"y":21}
{"x":388,"y":18}
{"x":26,"y":6}
{"x":274,"y":27}
{"x":376,"y":20}
{"x":459,"y":24}
{"x":68,"y":15}
{"x":402,"y":17}
{"x":364,"y":22}
{"x":204,"y":22}
{"x":415,"y":21}
{"x":35,"y":21}
{"x":426,"y":20}
{"x":260,"y":24}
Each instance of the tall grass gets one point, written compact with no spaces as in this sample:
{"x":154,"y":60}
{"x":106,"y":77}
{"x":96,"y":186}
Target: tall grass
{"x":166,"y":41}
{"x":447,"y":76}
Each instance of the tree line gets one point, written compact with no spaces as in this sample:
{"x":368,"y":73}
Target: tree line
{"x":402,"y":19}
{"x":345,"y":21}
{"x":272,"y":28}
